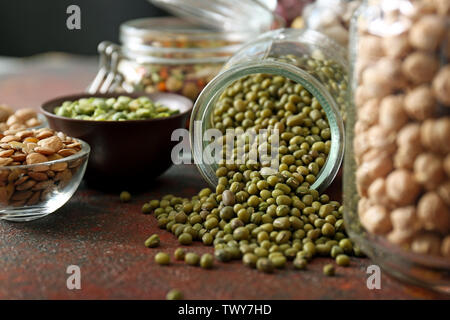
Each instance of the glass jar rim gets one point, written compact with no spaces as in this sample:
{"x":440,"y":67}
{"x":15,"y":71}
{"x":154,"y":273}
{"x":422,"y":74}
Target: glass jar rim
{"x":142,"y":58}
{"x":176,"y":28}
{"x":210,"y":94}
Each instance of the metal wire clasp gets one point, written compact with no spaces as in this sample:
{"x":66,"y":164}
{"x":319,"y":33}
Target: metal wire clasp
{"x":108,"y":78}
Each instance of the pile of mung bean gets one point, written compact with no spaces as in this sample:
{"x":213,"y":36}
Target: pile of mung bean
{"x":114,"y":109}
{"x":264,"y":219}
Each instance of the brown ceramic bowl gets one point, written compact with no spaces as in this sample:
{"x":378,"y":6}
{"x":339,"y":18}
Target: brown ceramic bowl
{"x":124,"y":154}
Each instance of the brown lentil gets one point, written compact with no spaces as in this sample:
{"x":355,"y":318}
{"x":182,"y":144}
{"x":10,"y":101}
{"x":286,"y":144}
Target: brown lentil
{"x":29,"y":186}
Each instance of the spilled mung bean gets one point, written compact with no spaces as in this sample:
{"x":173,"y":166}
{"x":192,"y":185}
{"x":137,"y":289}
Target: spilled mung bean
{"x":256,"y":214}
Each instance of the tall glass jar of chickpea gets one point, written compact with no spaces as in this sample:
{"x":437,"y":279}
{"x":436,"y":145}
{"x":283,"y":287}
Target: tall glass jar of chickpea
{"x":397,"y":162}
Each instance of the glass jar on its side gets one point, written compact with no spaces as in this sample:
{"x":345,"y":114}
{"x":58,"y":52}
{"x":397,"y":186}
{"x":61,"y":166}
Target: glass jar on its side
{"x":307,"y":58}
{"x":397,"y":165}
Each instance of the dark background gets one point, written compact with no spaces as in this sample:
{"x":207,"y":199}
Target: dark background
{"x":29,"y":27}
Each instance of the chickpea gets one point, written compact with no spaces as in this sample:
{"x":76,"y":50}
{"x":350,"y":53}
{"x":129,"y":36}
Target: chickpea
{"x":433,"y":213}
{"x":385,"y":73}
{"x":428,"y":170}
{"x":408,"y":135}
{"x":426,"y":243}
{"x":361,"y":127}
{"x":426,"y":133}
{"x":371,"y":47}
{"x":392,"y":68}
{"x":382,"y":139}
{"x":338,"y":33}
{"x":361,"y":65}
{"x":423,"y":8}
{"x":444,"y":192}
{"x":377,"y":192}
{"x":402,"y":187}
{"x":363,"y":27}
{"x":435,"y":134}
{"x":376,"y":83}
{"x":373,"y":154}
{"x":442,"y":134}
{"x":405,"y":218}
{"x":392,"y":115}
{"x":361,"y":145}
{"x":400,"y":237}
{"x":442,"y":7}
{"x":406,"y":155}
{"x":420,"y":103}
{"x":447,"y":165}
{"x":427,"y":33}
{"x":445,"y":247}
{"x":420,"y":67}
{"x":376,"y":220}
{"x":369,"y":112}
{"x":441,"y":86}
{"x":363,"y":180}
{"x":361,"y":96}
{"x":396,"y":46}
{"x":371,"y":170}
{"x":446,"y":47}
{"x":363,"y":206}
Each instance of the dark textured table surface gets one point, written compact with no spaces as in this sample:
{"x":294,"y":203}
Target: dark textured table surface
{"x":105,"y":239}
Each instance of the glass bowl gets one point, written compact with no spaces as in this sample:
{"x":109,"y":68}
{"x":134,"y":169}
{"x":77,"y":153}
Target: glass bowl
{"x":29,"y":192}
{"x":43,"y":123}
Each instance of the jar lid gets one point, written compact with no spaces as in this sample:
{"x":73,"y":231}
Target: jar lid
{"x":228,"y":15}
